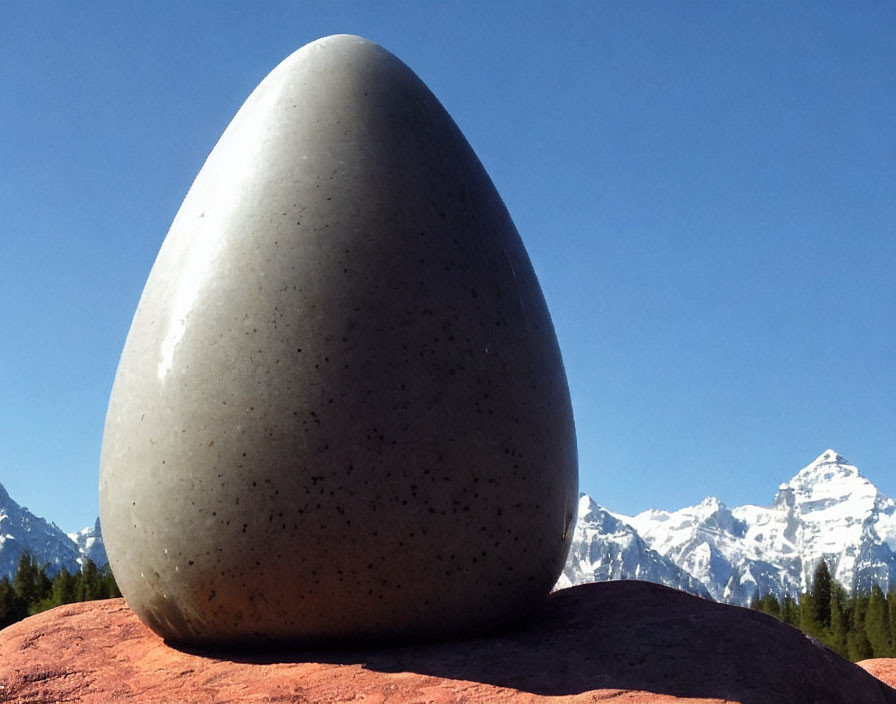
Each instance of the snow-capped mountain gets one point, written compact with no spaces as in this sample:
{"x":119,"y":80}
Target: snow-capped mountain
{"x":698,"y":539}
{"x":90,"y":544}
{"x":21,"y":530}
{"x":605,"y":548}
{"x":828,"y":510}
{"x":841,"y":516}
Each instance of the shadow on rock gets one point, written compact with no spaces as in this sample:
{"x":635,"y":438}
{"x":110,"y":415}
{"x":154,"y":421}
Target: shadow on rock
{"x":629,"y":636}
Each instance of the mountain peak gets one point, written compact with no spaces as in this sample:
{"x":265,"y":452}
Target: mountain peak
{"x":830,"y":457}
{"x":711,"y":503}
{"x":826,"y":467}
{"x":587,"y":506}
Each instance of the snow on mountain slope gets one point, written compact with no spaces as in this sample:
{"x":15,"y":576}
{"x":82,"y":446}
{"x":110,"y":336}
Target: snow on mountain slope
{"x":842,"y":517}
{"x":604,"y":548}
{"x":828,"y":510}
{"x":700,"y":540}
{"x":90,"y":544}
{"x":21,"y":530}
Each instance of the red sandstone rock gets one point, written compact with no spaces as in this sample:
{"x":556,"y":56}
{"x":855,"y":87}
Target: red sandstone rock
{"x":624,"y":642}
{"x":882,"y":668}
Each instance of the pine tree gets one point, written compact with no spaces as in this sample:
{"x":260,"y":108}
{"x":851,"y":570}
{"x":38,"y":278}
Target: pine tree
{"x":110,"y":586}
{"x":63,"y":588}
{"x":807,"y":622}
{"x":30,"y":582}
{"x":877,"y":626}
{"x":821,"y":595}
{"x":12,"y":608}
{"x":891,"y":620}
{"x":90,"y":584}
{"x":857,"y":640}
{"x":770,"y":605}
{"x":789,"y":611}
{"x":839,"y":621}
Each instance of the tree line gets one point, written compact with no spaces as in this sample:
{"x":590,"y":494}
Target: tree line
{"x":31,"y":590}
{"x":857,"y":626}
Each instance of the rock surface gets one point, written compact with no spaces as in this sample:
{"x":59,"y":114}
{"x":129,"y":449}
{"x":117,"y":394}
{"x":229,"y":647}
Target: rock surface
{"x":882,"y":668}
{"x":631,"y":642}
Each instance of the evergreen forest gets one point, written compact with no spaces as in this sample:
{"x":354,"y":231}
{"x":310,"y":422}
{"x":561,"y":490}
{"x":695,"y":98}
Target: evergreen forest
{"x":857,"y":626}
{"x":31,"y":590}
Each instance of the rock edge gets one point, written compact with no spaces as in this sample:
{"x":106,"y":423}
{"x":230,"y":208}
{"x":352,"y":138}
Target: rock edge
{"x":632,"y":642}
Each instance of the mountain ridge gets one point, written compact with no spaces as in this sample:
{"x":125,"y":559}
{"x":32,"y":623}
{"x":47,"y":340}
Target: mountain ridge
{"x":828,"y":510}
{"x":21,"y":530}
{"x":606,"y":548}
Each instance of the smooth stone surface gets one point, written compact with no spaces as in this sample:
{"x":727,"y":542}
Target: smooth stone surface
{"x":341,"y":411}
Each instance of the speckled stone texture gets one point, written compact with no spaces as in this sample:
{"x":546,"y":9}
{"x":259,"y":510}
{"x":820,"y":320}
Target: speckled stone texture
{"x":341,"y":411}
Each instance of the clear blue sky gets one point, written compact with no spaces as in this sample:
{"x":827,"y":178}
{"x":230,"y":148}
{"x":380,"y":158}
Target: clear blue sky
{"x":707,"y":191}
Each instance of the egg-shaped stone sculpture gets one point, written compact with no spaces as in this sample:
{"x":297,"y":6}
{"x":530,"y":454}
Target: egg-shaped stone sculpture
{"x":341,"y":413}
